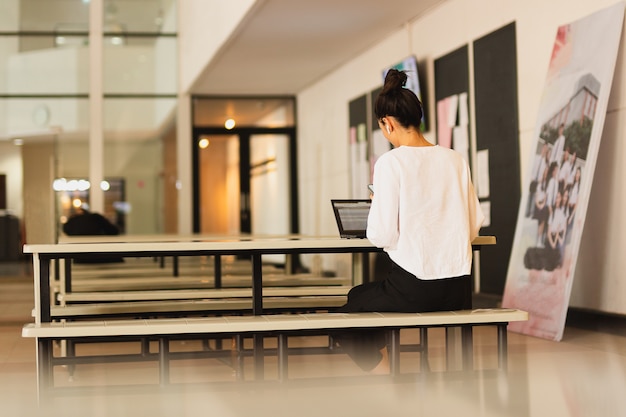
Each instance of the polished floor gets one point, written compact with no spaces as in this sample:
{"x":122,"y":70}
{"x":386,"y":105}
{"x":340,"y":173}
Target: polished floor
{"x":583,"y":375}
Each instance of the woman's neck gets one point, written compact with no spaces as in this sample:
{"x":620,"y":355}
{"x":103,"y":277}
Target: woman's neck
{"x":413,"y":138}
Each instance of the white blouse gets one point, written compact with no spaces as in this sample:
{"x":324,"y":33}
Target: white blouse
{"x":425,"y":212}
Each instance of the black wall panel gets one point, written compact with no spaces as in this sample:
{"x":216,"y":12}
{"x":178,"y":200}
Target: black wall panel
{"x":495,"y":100}
{"x":452,"y":74}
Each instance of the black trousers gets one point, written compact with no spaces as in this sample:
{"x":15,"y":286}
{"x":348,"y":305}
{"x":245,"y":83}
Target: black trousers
{"x":399,"y":291}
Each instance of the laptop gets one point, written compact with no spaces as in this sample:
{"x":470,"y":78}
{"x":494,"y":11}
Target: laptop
{"x":351,"y":216}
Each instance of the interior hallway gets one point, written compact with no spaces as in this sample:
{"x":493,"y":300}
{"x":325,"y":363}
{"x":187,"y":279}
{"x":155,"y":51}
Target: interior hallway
{"x":583,"y":375}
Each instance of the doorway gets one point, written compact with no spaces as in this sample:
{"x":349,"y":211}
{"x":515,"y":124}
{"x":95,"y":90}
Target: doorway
{"x":244,"y":165}
{"x":245,"y":181}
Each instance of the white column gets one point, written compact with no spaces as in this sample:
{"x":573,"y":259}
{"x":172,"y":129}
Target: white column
{"x":184,"y":164}
{"x":96,"y":128}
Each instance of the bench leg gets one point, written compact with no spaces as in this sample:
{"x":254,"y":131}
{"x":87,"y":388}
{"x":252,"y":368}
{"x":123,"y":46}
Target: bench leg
{"x":467,"y":342}
{"x":466,"y":356}
{"x":71,"y":352}
{"x":394,"y":354}
{"x":424,"y":366}
{"x":45,"y":376}
{"x":145,"y":346}
{"x":176,"y":272}
{"x":452,"y":359}
{"x":206,"y":344}
{"x":217,"y":271}
{"x":238,"y":359}
{"x":502,"y":347}
{"x":164,"y":361}
{"x":258,"y":353}
{"x":283,"y":357}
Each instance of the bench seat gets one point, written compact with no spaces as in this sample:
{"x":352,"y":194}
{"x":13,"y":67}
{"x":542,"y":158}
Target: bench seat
{"x":280,"y":325}
{"x":191,"y":294}
{"x":190,"y":282}
{"x":147,"y":270}
{"x":200,"y":306}
{"x":270,"y":323}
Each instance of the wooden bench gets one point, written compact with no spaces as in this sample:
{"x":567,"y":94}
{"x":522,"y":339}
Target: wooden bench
{"x":155,"y":303}
{"x":178,"y":308}
{"x":280,"y":325}
{"x":109,"y":305}
{"x":142,"y":267}
{"x":191,"y":283}
{"x":195,"y":294}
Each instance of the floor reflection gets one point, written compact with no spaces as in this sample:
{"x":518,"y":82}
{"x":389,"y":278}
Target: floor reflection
{"x":583,"y":375}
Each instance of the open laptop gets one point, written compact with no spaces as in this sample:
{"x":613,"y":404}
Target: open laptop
{"x":351,"y":216}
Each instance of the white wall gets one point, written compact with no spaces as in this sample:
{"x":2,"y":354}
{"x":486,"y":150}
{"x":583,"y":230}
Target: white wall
{"x":323,"y":123}
{"x":205,"y":26}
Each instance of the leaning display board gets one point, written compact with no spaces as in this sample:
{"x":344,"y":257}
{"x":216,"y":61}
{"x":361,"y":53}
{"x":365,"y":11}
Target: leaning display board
{"x":556,"y":191}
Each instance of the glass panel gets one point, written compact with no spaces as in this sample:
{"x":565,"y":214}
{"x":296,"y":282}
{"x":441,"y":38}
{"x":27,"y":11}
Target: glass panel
{"x":219,"y":184}
{"x":8,"y":48}
{"x":53,"y":60}
{"x":9,"y":15}
{"x":258,"y":112}
{"x":73,"y":155}
{"x":136,"y":134}
{"x":33,"y":65}
{"x":269,"y":187}
{"x":51,"y":15}
{"x":269,"y":183}
{"x":72,"y":193}
{"x":140,"y":65}
{"x":146,"y":16}
{"x":69,"y":116}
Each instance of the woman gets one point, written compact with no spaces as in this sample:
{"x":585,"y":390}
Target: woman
{"x":424,"y":214}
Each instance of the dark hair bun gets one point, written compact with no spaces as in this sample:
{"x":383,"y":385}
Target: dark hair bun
{"x":394,"y":80}
{"x":399,"y":102}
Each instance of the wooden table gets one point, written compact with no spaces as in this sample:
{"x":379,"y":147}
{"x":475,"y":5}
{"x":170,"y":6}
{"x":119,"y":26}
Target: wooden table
{"x":254,"y":247}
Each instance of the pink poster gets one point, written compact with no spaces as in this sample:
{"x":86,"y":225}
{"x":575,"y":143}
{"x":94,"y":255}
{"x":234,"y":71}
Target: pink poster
{"x":558,"y":185}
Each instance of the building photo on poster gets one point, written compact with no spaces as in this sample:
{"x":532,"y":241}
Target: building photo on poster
{"x":556,"y":191}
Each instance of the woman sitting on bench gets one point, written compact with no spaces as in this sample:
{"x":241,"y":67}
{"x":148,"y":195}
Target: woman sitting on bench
{"x":424,"y":214}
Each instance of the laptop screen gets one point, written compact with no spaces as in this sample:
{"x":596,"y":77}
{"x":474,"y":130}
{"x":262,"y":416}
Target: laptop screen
{"x":351,"y":216}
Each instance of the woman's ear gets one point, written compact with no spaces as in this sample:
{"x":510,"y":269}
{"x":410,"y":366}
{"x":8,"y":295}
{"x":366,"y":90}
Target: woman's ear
{"x":387,"y":124}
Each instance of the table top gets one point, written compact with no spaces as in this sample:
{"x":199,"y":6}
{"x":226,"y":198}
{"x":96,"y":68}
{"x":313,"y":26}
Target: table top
{"x":174,"y":243}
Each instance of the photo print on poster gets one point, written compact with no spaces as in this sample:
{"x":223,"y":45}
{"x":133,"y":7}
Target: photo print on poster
{"x":556,"y":191}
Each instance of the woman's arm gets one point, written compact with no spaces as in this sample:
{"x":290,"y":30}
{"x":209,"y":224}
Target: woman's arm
{"x":382,"y":221}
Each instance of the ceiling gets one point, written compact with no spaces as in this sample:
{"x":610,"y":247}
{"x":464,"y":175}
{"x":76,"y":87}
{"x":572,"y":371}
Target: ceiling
{"x":284,"y":46}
